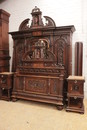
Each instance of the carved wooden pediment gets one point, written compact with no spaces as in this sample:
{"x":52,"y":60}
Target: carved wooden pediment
{"x":37,"y":21}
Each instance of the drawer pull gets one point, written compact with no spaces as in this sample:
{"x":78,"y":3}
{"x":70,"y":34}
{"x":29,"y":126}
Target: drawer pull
{"x":76,"y":88}
{"x":75,"y":81}
{"x":75,"y":97}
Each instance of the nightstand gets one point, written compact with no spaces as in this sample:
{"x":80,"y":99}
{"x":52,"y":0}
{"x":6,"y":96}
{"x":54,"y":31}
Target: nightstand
{"x":75,"y":94}
{"x":6,"y":84}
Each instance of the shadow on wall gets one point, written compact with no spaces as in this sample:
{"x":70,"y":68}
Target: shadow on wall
{"x":2,"y":1}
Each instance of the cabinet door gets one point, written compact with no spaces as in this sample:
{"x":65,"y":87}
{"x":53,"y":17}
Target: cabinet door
{"x":54,"y":86}
{"x":36,"y":85}
{"x":3,"y":81}
{"x":75,"y":87}
{"x":19,"y":83}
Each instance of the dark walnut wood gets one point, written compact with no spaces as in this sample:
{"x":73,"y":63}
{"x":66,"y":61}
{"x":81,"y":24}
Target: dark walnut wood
{"x":42,"y":59}
{"x":78,"y":58}
{"x":4,"y":41}
{"x":6,"y":85}
{"x":75,"y":94}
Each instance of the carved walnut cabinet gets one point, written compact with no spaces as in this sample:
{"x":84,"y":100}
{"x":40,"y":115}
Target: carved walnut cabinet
{"x":42,"y":59}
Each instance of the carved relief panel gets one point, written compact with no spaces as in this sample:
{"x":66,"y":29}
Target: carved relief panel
{"x":38,"y":85}
{"x":37,"y":49}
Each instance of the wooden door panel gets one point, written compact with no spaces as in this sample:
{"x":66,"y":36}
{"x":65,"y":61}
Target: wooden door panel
{"x":19,"y":83}
{"x":36,"y":85}
{"x":54,"y":87}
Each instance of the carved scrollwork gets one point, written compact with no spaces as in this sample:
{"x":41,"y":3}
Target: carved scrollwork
{"x":37,"y":21}
{"x":60,"y":51}
{"x":49,"y":56}
{"x":50,"y":21}
{"x":24,"y":25}
{"x":38,"y":84}
{"x":39,"y":70}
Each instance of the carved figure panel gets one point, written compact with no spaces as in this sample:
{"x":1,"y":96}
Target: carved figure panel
{"x":38,"y":50}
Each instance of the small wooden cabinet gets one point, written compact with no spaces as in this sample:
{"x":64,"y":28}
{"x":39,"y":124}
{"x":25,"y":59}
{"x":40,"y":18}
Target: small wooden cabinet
{"x":75,"y":94}
{"x":6,"y":82}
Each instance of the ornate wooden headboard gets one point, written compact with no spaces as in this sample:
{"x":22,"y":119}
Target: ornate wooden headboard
{"x":41,"y":50}
{"x":54,"y":42}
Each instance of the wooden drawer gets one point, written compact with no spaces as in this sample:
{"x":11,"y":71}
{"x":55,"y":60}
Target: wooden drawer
{"x":6,"y":85}
{"x":75,"y":87}
{"x":6,"y":80}
{"x":75,"y":102}
{"x":3,"y":81}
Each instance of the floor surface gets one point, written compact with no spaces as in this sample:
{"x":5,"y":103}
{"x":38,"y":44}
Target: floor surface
{"x":27,"y":115}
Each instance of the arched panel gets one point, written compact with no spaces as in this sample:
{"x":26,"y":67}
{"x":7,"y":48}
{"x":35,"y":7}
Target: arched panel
{"x":60,"y":51}
{"x":38,"y":50}
{"x":19,"y":51}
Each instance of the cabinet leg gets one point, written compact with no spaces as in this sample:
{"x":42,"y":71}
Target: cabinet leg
{"x":59,"y":107}
{"x":9,"y":93}
{"x":14,"y":99}
{"x":81,"y":112}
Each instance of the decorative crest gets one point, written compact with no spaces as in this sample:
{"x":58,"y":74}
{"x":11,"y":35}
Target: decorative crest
{"x":37,"y":21}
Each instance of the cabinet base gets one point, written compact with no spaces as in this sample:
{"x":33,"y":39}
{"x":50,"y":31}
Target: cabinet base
{"x":59,"y":107}
{"x":5,"y":98}
{"x":75,"y":109}
{"x":58,"y":101}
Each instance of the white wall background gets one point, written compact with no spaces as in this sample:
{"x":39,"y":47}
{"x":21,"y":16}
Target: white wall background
{"x":64,"y":12}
